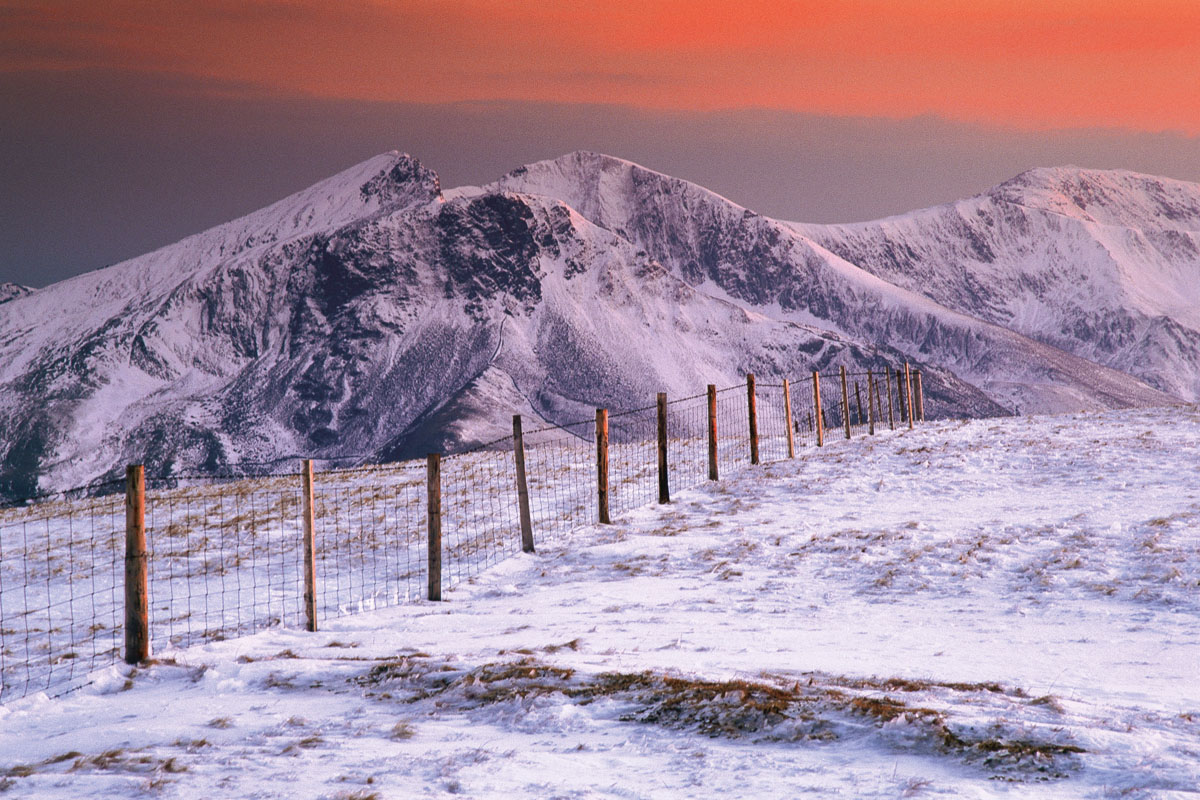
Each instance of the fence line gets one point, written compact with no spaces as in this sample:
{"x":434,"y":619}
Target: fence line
{"x":226,"y":555}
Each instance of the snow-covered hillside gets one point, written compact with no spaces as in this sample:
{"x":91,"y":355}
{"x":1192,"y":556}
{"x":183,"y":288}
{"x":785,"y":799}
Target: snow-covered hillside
{"x":1104,"y":264}
{"x":990,"y":608}
{"x":375,"y":316}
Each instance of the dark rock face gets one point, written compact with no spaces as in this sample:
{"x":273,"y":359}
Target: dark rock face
{"x":374,"y":317}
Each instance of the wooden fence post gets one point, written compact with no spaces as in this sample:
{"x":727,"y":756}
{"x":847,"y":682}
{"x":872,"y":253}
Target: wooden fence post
{"x":887,"y":378}
{"x":752,"y":409}
{"x":602,"y":464}
{"x":845,"y":403}
{"x":870,"y":402}
{"x":712,"y":432}
{"x":433,"y":472}
{"x":920,"y":399}
{"x":878,"y":404}
{"x":664,"y":485}
{"x":818,"y":412}
{"x":908,"y":393}
{"x":858,"y":402}
{"x":310,"y":545}
{"x":900,"y":393}
{"x":522,"y":486}
{"x":137,"y":594}
{"x":787,"y":413}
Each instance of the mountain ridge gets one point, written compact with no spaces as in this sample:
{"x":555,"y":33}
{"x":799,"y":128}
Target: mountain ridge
{"x":375,"y":314}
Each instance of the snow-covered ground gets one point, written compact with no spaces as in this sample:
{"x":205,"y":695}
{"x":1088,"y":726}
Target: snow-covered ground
{"x":993,"y":608}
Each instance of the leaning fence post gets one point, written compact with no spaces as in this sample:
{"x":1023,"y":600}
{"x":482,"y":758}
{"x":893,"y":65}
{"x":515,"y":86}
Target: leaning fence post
{"x":845,"y":404}
{"x":858,"y":402}
{"x":712,"y":432}
{"x":310,"y":546}
{"x":522,"y":486}
{"x":602,"y":464}
{"x":908,"y":393}
{"x":817,"y":410}
{"x":870,"y":402}
{"x":920,"y":399}
{"x":433,"y":472}
{"x":137,"y":595}
{"x":887,"y":378}
{"x":900,"y":393}
{"x":664,"y":486}
{"x":752,"y":410}
{"x":787,"y":413}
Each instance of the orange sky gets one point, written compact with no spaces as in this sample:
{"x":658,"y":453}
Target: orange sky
{"x":1011,"y":62}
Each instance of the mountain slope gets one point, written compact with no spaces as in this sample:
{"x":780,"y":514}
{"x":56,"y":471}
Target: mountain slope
{"x":1103,"y":264}
{"x":720,"y":247}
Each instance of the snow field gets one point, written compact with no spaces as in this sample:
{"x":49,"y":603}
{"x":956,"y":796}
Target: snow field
{"x":994,"y":608}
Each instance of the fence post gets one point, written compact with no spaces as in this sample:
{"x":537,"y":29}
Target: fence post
{"x":712,"y":432}
{"x":900,"y":393}
{"x":433,"y":472}
{"x":870,"y":402}
{"x":664,"y":486}
{"x":787,"y":413}
{"x":878,"y":404}
{"x":845,"y":403}
{"x":137,"y":595}
{"x":908,"y":393}
{"x":602,"y":464}
{"x":887,"y":378}
{"x":817,"y":410}
{"x":753,"y":411}
{"x":920,"y":399}
{"x":858,"y":402}
{"x":522,"y":486}
{"x":310,"y":546}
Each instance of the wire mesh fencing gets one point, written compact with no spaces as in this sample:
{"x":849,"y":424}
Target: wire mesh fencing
{"x":227,"y":555}
{"x":370,"y":548}
{"x":560,"y":462}
{"x":61,"y":572}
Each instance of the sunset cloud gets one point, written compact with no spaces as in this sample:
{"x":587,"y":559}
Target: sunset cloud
{"x":1019,"y":63}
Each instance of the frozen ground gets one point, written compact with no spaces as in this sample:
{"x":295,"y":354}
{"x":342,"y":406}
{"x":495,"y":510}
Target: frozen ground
{"x":997,"y":608}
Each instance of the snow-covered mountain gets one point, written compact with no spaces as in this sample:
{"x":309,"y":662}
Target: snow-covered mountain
{"x":373,"y":314}
{"x":1103,"y":264}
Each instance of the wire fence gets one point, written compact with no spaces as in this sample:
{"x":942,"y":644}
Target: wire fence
{"x":226,"y":554}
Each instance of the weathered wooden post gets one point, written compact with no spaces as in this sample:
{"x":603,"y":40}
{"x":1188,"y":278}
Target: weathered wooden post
{"x":845,"y":403}
{"x":787,"y":413}
{"x":878,"y":404}
{"x":900,"y":392}
{"x":712,"y":432}
{"x":752,"y":410}
{"x":308,"y":515}
{"x":908,"y":393}
{"x":818,"y":412}
{"x":887,"y":378}
{"x":858,"y":402}
{"x":664,"y":486}
{"x":602,"y":465}
{"x":433,"y":474}
{"x":920,"y":399}
{"x":870,"y":402}
{"x":522,"y":486}
{"x":137,"y":592}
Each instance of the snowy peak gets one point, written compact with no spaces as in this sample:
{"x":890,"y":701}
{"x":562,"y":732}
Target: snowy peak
{"x":403,"y":181}
{"x":1108,"y":197}
{"x":607,"y":190}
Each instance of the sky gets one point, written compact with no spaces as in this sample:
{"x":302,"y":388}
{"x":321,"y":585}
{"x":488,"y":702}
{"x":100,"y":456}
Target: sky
{"x":130,"y":123}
